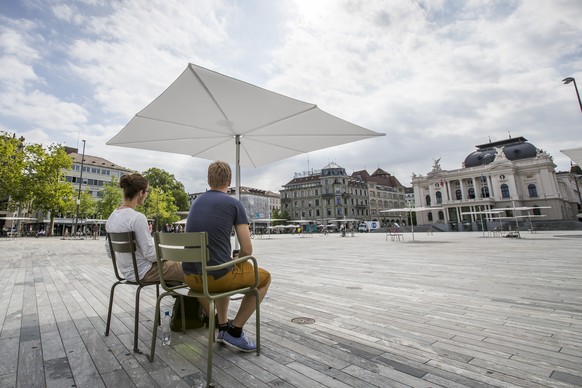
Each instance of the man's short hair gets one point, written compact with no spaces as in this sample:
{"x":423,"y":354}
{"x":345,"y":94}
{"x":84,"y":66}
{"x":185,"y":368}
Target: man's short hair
{"x":219,"y":174}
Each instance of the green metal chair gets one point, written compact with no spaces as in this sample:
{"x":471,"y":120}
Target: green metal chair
{"x":193,"y":248}
{"x":125,"y":243}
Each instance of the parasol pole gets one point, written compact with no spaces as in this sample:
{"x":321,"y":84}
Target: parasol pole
{"x":411,"y":224}
{"x":237,"y":166}
{"x":237,"y":177}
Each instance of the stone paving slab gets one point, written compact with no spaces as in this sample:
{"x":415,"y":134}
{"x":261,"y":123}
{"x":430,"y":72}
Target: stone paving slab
{"x":444,"y":310}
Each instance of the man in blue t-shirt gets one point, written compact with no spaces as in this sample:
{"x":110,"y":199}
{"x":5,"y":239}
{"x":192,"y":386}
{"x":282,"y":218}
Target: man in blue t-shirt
{"x":216,"y":212}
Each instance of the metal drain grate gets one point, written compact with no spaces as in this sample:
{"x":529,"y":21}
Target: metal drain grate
{"x":303,"y":320}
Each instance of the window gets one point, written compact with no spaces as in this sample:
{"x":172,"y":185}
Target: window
{"x":471,"y":193}
{"x":430,"y":216}
{"x":484,"y":192}
{"x":441,"y":215}
{"x":532,"y":190}
{"x":504,"y":191}
{"x":459,"y":194}
{"x":439,"y":197}
{"x":537,"y":211}
{"x":427,"y":200}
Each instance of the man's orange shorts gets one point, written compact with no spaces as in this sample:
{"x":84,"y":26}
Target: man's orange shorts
{"x":242,"y":275}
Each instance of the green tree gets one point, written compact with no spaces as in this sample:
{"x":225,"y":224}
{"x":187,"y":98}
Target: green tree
{"x":276,"y":213}
{"x":87,"y":206}
{"x":166,"y":182}
{"x":46,"y":170}
{"x":110,"y":197}
{"x":159,"y":207}
{"x":12,"y":170}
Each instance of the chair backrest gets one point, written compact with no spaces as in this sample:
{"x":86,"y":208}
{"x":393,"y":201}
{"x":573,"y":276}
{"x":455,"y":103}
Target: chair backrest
{"x":123,"y":242}
{"x":190,"y":247}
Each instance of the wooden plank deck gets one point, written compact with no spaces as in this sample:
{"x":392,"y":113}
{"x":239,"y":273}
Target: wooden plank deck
{"x":449,"y":310}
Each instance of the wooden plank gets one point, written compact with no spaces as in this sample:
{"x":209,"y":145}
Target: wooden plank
{"x":58,"y":372}
{"x":30,"y":365}
{"x":455,"y":311}
{"x":84,"y":371}
{"x":9,"y":359}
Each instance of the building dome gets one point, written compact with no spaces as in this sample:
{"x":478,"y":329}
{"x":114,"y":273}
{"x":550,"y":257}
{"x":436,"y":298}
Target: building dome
{"x":520,"y":151}
{"x":513,"y":149}
{"x":480,"y":158}
{"x":333,"y":169}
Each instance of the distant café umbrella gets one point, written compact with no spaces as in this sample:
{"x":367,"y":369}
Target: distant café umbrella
{"x":213,"y":116}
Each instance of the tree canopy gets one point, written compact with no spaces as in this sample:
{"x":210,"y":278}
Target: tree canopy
{"x":167,"y":182}
{"x":110,"y":197}
{"x":12,"y":168}
{"x":49,"y":189}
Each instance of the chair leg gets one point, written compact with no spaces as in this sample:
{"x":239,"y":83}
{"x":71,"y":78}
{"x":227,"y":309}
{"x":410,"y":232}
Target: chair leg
{"x":258,"y":322}
{"x":155,"y":329}
{"x":183,"y":314}
{"x":210,"y":342}
{"x":157,"y":296}
{"x":110,"y":308}
{"x":136,"y":320}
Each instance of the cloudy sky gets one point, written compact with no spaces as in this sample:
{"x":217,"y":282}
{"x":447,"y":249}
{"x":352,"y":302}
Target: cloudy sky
{"x":437,"y":77}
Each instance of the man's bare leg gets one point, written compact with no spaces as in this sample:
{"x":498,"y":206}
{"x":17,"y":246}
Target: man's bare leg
{"x":248,"y":306}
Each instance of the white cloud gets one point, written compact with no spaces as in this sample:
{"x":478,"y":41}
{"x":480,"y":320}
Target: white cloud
{"x":438,"y":77}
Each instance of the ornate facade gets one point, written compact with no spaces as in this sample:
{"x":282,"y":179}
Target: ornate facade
{"x":384,"y":191}
{"x":325,"y":195}
{"x":331,"y":194}
{"x":510,"y":173}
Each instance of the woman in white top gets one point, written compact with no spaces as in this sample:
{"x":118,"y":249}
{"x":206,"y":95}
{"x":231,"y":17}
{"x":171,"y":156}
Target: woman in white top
{"x":126,"y":219}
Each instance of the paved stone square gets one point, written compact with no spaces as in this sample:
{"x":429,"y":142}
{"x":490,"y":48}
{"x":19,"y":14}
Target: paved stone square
{"x":447,"y":310}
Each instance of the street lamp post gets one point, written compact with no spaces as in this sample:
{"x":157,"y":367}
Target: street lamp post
{"x":566,"y":81}
{"x":80,"y":187}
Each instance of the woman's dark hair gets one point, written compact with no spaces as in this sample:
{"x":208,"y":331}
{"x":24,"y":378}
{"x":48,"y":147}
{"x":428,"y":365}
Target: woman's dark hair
{"x":132,"y":184}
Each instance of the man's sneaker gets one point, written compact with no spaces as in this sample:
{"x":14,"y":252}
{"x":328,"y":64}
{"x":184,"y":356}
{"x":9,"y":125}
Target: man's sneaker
{"x":220,"y":334}
{"x":243,"y":343}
